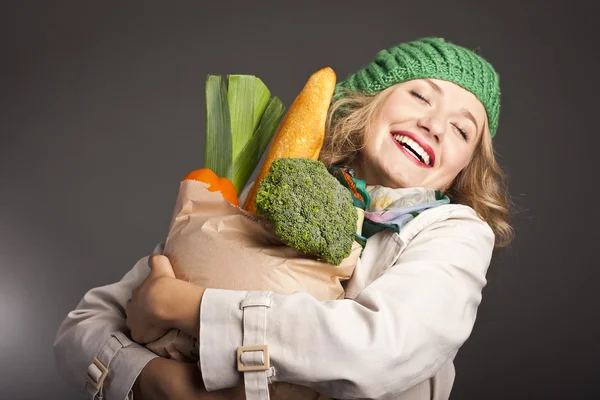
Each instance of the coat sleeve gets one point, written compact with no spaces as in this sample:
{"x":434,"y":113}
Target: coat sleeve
{"x":97,"y":329}
{"x":395,"y":334}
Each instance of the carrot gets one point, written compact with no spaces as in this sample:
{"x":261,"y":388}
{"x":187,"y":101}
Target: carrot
{"x":216,"y":184}
{"x":302,"y":130}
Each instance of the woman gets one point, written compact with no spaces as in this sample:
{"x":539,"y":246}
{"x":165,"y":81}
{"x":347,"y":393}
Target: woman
{"x":415,"y":123}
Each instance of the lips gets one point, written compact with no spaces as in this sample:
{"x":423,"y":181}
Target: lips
{"x":427,"y":148}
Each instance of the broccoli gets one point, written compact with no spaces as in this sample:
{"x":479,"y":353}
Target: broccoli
{"x":309,"y":209}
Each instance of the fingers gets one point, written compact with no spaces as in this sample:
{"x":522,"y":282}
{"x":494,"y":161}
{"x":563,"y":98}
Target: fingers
{"x":160,"y":266}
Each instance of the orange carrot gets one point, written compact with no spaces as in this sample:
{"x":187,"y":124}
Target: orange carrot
{"x":216,"y":184}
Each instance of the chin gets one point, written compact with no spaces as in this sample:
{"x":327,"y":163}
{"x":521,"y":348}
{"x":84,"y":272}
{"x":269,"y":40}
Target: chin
{"x":399,"y":180}
{"x":396,"y":183}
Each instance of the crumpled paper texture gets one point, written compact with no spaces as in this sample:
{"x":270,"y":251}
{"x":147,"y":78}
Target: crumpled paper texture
{"x":217,"y":245}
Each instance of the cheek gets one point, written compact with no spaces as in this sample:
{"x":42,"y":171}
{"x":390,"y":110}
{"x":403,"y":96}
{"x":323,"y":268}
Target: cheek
{"x":368,"y":139}
{"x":456,"y":160}
{"x":399,"y":112}
{"x":376,"y":135}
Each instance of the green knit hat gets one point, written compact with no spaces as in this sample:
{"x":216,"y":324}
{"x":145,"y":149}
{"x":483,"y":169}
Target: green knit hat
{"x":431,"y":58}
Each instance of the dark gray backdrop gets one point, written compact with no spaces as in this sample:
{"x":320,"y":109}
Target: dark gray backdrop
{"x":102,"y":113}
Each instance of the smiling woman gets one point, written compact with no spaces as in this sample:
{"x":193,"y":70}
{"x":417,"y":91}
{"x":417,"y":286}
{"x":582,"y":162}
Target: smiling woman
{"x":431,"y":125}
{"x":409,"y":134}
{"x":431,"y":128}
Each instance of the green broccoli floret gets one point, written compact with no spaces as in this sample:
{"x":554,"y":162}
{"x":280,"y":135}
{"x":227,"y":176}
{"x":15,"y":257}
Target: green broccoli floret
{"x":309,"y":209}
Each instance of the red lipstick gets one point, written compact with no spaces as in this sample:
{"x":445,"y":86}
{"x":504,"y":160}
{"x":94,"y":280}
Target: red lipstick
{"x":421,"y":143}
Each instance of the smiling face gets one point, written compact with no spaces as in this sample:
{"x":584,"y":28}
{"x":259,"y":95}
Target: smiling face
{"x":423,"y":135}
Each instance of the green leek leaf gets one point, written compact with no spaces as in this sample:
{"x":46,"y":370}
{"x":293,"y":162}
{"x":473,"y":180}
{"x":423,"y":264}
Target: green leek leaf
{"x":249,"y":157}
{"x":261,"y":98}
{"x":218,"y":149}
{"x":240,"y":96}
{"x":268,"y":125}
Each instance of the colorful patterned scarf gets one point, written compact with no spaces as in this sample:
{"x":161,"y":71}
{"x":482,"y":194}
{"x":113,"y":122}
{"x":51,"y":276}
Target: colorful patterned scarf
{"x":386,"y":208}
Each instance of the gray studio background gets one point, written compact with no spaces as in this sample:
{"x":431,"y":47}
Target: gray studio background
{"x":102,"y":113}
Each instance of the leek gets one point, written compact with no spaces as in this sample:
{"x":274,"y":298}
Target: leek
{"x":218,"y":149}
{"x":249,"y":157}
{"x":241,"y":119}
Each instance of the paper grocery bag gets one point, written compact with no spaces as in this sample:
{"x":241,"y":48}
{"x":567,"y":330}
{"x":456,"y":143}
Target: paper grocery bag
{"x":217,"y":245}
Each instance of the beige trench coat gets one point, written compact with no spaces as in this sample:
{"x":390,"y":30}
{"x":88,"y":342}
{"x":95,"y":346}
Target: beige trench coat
{"x":411,"y":303}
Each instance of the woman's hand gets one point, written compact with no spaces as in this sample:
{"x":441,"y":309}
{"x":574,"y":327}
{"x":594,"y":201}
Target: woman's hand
{"x":163,"y":379}
{"x":162,"y":302}
{"x":144,"y":307}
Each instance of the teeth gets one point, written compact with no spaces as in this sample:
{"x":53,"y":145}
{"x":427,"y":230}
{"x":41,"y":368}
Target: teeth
{"x":413,"y":145}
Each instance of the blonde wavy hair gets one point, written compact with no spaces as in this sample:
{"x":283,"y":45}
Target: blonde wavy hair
{"x":481,"y":185}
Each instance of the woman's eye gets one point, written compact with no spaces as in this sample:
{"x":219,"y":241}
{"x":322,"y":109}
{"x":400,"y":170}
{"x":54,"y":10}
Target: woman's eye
{"x":461,"y":131}
{"x":419,"y":96}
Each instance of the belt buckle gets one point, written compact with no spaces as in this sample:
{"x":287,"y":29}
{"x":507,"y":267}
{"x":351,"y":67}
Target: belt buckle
{"x":246,"y":349}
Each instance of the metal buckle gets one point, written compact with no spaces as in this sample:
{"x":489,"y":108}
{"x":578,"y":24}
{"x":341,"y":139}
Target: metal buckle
{"x":102,"y":368}
{"x":245,"y":349}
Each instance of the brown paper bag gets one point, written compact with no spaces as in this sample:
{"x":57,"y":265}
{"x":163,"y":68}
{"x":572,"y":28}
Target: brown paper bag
{"x":217,"y":245}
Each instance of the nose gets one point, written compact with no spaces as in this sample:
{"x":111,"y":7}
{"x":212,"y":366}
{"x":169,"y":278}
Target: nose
{"x":434,"y":125}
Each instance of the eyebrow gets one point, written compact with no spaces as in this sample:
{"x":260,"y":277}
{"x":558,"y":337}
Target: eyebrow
{"x":470,"y":116}
{"x":463,"y":111}
{"x":434,"y":86}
